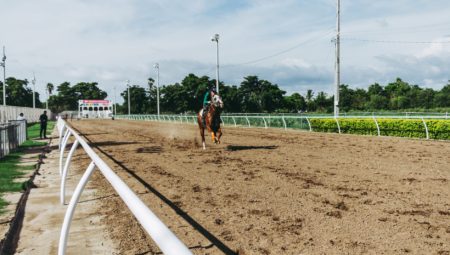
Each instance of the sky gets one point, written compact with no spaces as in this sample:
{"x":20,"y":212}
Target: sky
{"x":288,"y":42}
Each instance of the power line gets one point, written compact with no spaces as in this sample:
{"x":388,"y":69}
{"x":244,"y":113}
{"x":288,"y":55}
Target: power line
{"x":280,"y":52}
{"x":394,"y":41}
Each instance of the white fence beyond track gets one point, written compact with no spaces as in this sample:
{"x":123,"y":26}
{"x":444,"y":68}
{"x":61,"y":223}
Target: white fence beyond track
{"x":12,"y":112}
{"x":160,"y":233}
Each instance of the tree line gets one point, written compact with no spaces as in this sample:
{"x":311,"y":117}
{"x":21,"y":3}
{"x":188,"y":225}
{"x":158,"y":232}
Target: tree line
{"x":252,"y":95}
{"x":257,"y":95}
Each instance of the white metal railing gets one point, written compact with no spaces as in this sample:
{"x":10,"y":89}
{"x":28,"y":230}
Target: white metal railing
{"x":302,"y":122}
{"x":160,"y":233}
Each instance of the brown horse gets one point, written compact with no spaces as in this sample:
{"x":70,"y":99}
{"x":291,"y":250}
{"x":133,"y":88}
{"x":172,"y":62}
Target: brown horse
{"x":212,"y":120}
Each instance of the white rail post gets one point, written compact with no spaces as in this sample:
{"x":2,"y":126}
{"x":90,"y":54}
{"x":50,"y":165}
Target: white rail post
{"x":185,"y":117}
{"x":61,"y":135}
{"x":426,"y":128}
{"x":62,"y":192}
{"x":248,"y":122}
{"x":193,"y":119}
{"x":71,"y":208}
{"x":222,"y":121}
{"x":284,"y":122}
{"x":338,"y":126}
{"x":265,"y":123}
{"x":234,"y":121}
{"x":376,"y":123}
{"x":62,"y":149}
{"x":309,"y":124}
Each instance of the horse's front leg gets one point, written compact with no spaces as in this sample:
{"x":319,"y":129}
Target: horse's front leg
{"x":213,"y":136}
{"x":219,"y":135}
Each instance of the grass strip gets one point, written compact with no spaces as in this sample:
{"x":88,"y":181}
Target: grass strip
{"x":10,"y":169}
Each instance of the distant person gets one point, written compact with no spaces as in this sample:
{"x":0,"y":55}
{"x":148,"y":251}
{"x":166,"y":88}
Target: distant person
{"x":43,"y":119}
{"x":21,"y":117}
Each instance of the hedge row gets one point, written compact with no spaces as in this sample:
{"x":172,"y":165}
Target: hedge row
{"x":437,"y":129}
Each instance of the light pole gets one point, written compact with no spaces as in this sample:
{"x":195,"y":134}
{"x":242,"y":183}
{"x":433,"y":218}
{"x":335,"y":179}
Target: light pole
{"x":157,"y":87}
{"x":46,"y":102}
{"x":338,"y":61}
{"x":114,"y":106}
{"x":34,"y":90}
{"x":215,"y":38}
{"x":129,"y":104}
{"x":3,"y":64}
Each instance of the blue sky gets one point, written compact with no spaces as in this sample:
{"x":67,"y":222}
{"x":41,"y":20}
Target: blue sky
{"x":112,"y":41}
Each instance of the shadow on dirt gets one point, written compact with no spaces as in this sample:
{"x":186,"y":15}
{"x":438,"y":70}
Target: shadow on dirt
{"x":150,"y":149}
{"x":111,"y":143}
{"x":243,"y":147}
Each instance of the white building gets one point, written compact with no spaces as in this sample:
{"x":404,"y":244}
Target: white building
{"x":95,"y":109}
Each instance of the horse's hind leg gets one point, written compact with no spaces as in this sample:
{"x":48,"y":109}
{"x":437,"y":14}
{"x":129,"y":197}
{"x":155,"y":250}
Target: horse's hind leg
{"x":202,"y":134}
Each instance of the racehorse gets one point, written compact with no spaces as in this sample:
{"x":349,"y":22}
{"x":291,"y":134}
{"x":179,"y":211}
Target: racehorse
{"x":212,"y":120}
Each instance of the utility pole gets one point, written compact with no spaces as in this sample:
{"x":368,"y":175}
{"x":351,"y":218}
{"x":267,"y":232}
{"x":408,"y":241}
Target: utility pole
{"x":34,"y":90}
{"x":337,"y":65}
{"x":215,"y":38}
{"x":3,"y":64}
{"x":157,"y":87}
{"x":129,"y":104}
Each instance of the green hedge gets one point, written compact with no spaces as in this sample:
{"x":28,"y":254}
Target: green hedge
{"x":438,"y":129}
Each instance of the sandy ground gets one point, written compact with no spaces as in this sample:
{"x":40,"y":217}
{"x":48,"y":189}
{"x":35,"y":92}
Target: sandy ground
{"x":44,"y":214}
{"x":277,"y":192}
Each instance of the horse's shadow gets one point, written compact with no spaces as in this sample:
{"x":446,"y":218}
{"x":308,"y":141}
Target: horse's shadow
{"x":245,"y":147}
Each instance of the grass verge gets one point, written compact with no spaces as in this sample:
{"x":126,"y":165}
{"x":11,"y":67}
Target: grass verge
{"x":10,"y":169}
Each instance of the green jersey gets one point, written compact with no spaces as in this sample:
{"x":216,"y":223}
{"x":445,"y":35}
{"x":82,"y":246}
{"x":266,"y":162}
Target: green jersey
{"x":205,"y":98}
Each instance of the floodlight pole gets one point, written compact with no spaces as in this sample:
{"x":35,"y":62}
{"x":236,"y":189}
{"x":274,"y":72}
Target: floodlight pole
{"x":129,"y":104}
{"x":34,"y":90}
{"x":338,"y":61}
{"x":3,"y":64}
{"x":114,"y":106}
{"x":215,"y":38}
{"x":157,"y":87}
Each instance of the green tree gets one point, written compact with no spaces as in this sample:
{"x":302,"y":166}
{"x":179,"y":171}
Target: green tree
{"x":138,"y":99}
{"x":18,"y":93}
{"x":294,"y":103}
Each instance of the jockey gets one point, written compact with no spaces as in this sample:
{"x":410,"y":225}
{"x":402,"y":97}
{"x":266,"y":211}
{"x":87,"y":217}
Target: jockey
{"x":208,"y":95}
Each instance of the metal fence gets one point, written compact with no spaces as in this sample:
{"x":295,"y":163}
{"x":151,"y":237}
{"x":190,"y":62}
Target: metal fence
{"x":299,"y":122}
{"x":160,"y":233}
{"x":12,"y":135}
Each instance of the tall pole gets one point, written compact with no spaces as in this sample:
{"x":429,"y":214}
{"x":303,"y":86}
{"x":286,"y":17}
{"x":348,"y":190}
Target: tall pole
{"x":216,"y":39}
{"x":157,"y":87}
{"x":114,"y":106}
{"x":46,"y":102}
{"x":338,"y":68}
{"x":3,"y":64}
{"x":34,"y":90}
{"x":129,"y":104}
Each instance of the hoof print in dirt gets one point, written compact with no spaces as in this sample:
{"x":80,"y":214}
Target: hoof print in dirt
{"x":218,"y":221}
{"x":335,"y":214}
{"x":341,"y":206}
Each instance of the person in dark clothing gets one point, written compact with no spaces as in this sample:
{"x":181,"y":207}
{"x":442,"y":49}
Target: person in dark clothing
{"x":43,"y":119}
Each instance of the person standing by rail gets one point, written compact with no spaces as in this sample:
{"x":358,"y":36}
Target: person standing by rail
{"x":43,"y":119}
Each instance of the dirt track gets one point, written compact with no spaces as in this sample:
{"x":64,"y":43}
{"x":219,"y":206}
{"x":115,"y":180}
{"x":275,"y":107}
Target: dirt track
{"x":277,"y":192}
